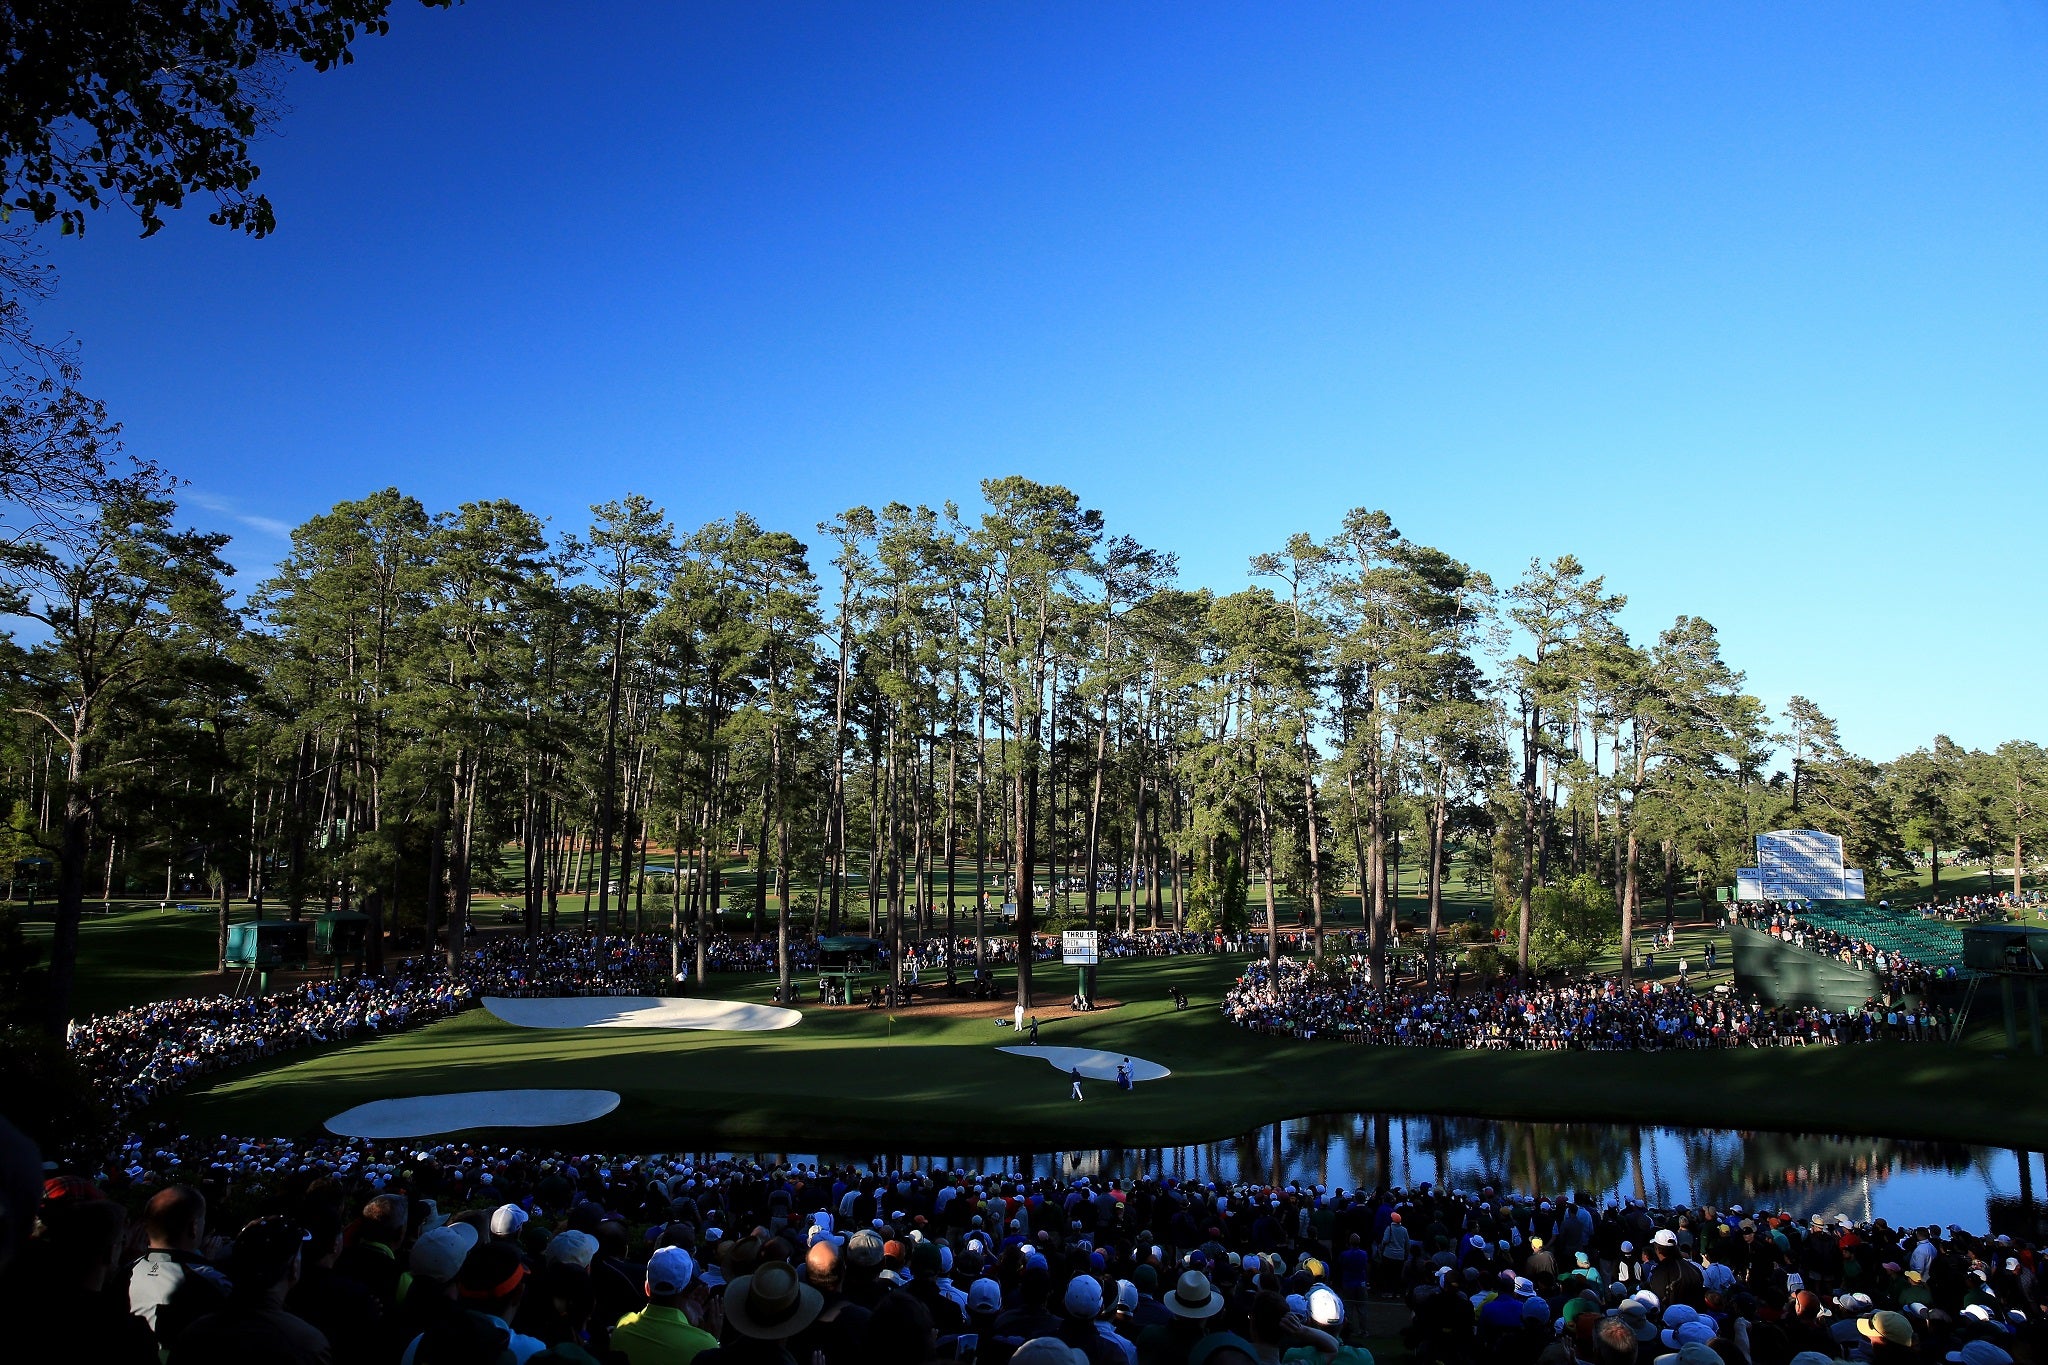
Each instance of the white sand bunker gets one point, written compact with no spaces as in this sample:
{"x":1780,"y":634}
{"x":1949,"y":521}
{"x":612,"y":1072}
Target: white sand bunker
{"x":425,"y":1115}
{"x":1096,"y":1065}
{"x":640,"y":1011}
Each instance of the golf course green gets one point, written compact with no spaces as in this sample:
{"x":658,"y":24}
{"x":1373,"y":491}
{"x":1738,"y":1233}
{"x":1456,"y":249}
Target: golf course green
{"x":911,"y":1081}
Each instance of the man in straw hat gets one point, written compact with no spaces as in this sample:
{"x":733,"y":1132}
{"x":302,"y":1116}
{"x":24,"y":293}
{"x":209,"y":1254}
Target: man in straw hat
{"x":1194,"y":1303}
{"x":763,"y":1310}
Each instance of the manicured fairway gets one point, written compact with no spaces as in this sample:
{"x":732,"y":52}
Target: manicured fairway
{"x":134,"y":955}
{"x":851,"y":1081}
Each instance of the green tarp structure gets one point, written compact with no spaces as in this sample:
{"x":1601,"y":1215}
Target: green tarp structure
{"x":340,"y":933}
{"x":267,"y":944}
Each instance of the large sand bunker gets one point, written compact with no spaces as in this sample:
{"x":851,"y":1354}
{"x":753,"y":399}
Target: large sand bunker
{"x":426,"y":1115}
{"x":1094,"y":1064}
{"x":639,"y":1011}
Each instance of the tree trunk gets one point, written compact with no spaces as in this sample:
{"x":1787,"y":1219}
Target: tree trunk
{"x":72,"y":844}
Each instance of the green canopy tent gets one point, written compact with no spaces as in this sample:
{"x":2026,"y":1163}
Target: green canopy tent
{"x":340,"y":934}
{"x":844,"y":962}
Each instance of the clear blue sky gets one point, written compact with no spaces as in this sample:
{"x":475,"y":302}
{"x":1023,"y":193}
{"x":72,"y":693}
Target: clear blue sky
{"x":1742,"y":304}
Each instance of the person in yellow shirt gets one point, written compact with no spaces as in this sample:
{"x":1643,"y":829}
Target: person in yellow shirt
{"x":662,"y":1333}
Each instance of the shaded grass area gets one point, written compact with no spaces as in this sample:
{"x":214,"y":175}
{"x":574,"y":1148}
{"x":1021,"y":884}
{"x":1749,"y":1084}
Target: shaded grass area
{"x":853,"y":1081}
{"x":136,"y":954}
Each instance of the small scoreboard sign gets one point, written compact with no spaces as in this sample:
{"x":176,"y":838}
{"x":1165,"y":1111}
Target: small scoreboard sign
{"x":1077,"y":948}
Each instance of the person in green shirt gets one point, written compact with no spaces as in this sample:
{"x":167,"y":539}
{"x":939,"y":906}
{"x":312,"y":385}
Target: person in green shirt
{"x":660,"y":1333}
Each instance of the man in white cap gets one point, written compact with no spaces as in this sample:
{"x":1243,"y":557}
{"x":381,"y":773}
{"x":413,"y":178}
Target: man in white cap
{"x":506,"y":1222}
{"x":663,"y":1332}
{"x":1672,"y":1278}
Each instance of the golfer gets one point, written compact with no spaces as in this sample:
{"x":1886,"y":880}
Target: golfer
{"x":1075,"y":1076}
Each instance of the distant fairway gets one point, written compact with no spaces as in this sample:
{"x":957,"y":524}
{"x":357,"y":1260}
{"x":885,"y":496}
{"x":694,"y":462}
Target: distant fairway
{"x":848,"y":1081}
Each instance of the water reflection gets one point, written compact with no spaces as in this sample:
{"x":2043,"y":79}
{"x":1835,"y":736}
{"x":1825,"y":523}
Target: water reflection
{"x":1904,"y":1181}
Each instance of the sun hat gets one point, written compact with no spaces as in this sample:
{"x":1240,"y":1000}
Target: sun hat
{"x":771,"y":1304}
{"x":1698,"y":1353}
{"x":1679,"y":1314}
{"x":439,"y":1255}
{"x":1979,"y":1352}
{"x":1890,"y":1327}
{"x":670,"y":1270}
{"x":1193,"y":1297}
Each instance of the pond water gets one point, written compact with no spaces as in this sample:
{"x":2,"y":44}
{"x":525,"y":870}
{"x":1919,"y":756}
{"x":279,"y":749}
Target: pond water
{"x":1906,"y":1182}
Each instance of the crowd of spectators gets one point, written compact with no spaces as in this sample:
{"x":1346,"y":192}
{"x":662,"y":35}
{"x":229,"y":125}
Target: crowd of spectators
{"x":361,"y":1253}
{"x":1899,"y":973}
{"x":137,"y":1055}
{"x":1334,"y":999}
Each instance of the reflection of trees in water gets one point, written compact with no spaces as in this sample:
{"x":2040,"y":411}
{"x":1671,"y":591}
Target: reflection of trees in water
{"x":1814,"y":1171}
{"x":1806,"y":1173}
{"x":1661,"y":1165}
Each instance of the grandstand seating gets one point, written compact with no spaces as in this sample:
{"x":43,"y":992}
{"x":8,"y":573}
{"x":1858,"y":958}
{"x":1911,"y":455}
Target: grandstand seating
{"x":1931,"y":943}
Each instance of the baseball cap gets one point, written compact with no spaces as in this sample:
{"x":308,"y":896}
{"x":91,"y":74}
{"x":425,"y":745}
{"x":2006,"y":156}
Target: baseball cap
{"x":1979,"y":1352}
{"x":864,"y":1248}
{"x":572,"y":1248}
{"x":1887,"y":1327}
{"x":985,"y":1296}
{"x":506,"y":1220}
{"x":439,"y":1255}
{"x":1696,"y":1331}
{"x":1664,"y":1237}
{"x":670,"y":1270}
{"x":1084,"y":1296}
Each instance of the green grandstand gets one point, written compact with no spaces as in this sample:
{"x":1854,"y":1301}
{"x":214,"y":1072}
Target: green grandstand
{"x":1928,"y":942}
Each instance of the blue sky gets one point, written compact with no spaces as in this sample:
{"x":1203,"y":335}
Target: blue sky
{"x":1742,"y":304}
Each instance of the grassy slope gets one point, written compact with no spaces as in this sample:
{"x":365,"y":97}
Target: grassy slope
{"x":849,"y":1081}
{"x":134,"y":954}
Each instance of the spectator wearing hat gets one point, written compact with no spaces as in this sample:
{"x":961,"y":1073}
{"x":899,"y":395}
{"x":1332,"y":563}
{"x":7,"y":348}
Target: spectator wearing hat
{"x":1672,"y":1278}
{"x":665,"y":1332}
{"x":507,"y":1221}
{"x":492,"y":1285}
{"x":763,"y":1311}
{"x":1314,"y":1333}
{"x":1194,"y":1304}
{"x":1083,"y":1301}
{"x":1030,"y":1316}
{"x":979,"y":1340}
{"x":434,"y":1265}
{"x":1046,"y":1351}
{"x":253,"y":1325}
{"x":1890,"y":1336}
{"x":1979,"y":1352}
